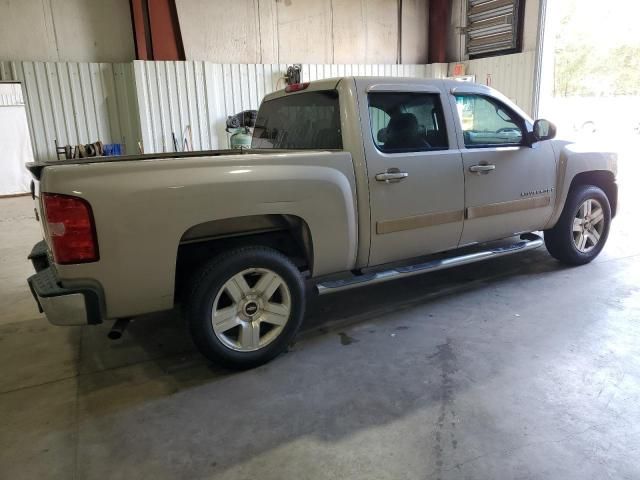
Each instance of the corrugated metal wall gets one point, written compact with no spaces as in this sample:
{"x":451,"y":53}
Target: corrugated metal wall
{"x":177,"y":96}
{"x":148,"y":101}
{"x":76,"y":103}
{"x":513,"y":75}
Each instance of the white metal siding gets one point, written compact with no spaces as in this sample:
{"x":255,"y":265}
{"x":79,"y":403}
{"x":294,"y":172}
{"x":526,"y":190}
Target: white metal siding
{"x":128,"y":102}
{"x":513,"y":75}
{"x":176,"y":95}
{"x":76,"y":103}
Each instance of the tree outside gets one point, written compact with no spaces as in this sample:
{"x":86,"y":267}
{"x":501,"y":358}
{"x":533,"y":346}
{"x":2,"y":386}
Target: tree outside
{"x":597,"y":48}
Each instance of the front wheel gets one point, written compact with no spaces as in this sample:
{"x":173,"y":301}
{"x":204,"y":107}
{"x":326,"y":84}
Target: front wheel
{"x":245,"y":307}
{"x":583,"y":227}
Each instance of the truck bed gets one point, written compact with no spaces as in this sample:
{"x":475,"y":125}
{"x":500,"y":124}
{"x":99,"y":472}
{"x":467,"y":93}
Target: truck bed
{"x":36,"y":167}
{"x":144,"y":210}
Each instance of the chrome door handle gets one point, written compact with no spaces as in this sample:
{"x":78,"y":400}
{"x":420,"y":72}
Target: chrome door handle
{"x":391,"y":175}
{"x":482,"y":168}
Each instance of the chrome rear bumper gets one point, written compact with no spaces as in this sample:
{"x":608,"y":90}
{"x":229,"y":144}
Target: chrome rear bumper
{"x":62,"y":306}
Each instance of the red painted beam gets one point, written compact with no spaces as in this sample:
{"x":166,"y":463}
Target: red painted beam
{"x":165,"y":30}
{"x":156,"y":30}
{"x":439,"y":17}
{"x":139,"y":19}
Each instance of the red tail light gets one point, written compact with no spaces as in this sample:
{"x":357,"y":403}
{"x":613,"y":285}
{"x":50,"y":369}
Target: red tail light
{"x":296,"y":87}
{"x":71,"y":229}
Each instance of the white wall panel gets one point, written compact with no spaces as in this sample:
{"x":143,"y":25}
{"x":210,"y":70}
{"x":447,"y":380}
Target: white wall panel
{"x":513,"y":75}
{"x":176,"y":96}
{"x":76,"y":103}
{"x":66,"y":30}
{"x":297,"y":31}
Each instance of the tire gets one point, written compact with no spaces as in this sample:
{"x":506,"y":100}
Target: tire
{"x":245,"y":306}
{"x":582,"y":245}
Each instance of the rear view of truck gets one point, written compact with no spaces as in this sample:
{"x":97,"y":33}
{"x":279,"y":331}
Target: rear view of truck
{"x":69,"y":229}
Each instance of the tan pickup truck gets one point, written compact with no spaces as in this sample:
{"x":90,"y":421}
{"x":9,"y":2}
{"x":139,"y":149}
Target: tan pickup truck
{"x":350,"y":182}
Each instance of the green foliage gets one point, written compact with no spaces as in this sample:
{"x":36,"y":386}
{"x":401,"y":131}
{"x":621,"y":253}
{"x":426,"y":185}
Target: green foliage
{"x":585,"y":65}
{"x":572,"y":62}
{"x":627,"y":70}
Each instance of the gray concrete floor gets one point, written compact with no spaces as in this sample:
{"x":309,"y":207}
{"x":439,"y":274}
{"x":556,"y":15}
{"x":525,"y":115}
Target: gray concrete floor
{"x":514,"y":369}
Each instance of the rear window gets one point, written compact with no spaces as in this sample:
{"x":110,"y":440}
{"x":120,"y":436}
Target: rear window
{"x":407,"y":122}
{"x":309,"y":120}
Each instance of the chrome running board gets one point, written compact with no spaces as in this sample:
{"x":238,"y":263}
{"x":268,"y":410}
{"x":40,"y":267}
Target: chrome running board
{"x":528,"y":241}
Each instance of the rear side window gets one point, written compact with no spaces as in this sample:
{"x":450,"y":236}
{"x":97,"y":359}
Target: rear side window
{"x":309,"y":120}
{"x":407,"y":122}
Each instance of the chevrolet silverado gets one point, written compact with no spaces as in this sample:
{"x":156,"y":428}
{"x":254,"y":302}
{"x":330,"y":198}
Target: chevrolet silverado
{"x":349,"y":182}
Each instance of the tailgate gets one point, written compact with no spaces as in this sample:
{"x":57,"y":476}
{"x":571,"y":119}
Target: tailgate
{"x":37,"y":206}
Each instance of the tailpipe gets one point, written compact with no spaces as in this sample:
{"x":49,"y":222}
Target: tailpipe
{"x":118,"y":328}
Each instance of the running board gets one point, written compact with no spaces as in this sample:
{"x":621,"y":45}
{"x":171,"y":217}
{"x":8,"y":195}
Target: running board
{"x":528,"y":241}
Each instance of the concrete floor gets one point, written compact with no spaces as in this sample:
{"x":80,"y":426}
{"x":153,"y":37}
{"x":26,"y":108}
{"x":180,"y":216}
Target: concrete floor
{"x":513,"y":369}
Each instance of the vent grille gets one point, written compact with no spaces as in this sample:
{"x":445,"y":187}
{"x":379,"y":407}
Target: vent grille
{"x":492,"y":26}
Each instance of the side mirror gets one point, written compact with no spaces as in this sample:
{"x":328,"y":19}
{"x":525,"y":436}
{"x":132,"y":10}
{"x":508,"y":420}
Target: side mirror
{"x":543,"y":130}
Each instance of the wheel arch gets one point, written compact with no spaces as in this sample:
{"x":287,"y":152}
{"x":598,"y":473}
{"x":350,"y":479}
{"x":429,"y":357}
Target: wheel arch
{"x":603,"y":179}
{"x":288,"y":234}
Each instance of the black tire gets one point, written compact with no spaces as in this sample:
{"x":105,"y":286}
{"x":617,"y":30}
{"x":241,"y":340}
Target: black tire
{"x":206,"y":286}
{"x":559,"y":240}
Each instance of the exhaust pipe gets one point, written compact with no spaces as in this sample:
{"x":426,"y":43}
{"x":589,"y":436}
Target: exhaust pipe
{"x":118,"y":328}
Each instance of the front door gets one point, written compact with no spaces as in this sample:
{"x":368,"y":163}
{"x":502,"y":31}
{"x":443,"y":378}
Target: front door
{"x":509,"y":186}
{"x":416,"y":183}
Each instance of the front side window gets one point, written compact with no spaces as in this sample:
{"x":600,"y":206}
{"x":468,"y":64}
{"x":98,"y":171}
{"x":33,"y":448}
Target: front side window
{"x":487,"y":123}
{"x":309,"y":120}
{"x":407,"y":122}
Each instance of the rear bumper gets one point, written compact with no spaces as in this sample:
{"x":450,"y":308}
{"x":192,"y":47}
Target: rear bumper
{"x":62,"y":306}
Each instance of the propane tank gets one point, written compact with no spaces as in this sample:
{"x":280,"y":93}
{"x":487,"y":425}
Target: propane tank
{"x":240,"y":127}
{"x":240,"y":138}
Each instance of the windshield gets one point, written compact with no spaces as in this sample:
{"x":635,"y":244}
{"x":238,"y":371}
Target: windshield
{"x":309,"y":120}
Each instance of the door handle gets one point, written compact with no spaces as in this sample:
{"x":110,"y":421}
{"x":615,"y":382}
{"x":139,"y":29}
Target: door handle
{"x":481,"y":168}
{"x":391,"y":175}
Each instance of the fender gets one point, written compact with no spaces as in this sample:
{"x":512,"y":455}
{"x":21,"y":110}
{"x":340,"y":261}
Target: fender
{"x":572,"y":160}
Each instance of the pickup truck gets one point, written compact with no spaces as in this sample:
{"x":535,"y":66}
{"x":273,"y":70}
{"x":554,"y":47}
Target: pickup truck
{"x":349,"y":182}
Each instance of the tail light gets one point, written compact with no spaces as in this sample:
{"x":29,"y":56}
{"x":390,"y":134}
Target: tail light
{"x":71,"y":228}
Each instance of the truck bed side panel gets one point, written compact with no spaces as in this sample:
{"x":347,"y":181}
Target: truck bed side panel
{"x":142,"y":209}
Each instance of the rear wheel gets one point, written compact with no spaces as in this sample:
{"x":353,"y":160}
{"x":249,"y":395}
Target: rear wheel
{"x":583,"y":227}
{"x":245,"y":307}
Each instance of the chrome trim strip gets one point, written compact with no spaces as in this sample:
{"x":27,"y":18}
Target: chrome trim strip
{"x":530,"y":242}
{"x":419,"y":221}
{"x":508,"y":207}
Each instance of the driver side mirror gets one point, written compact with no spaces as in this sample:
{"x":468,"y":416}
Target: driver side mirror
{"x":543,"y":130}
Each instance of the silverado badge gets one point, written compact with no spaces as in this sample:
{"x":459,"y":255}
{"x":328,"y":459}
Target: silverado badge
{"x":536,"y":192}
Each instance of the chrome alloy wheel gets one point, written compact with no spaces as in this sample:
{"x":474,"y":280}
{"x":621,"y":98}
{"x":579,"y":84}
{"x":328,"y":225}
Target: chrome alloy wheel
{"x":588,"y":225}
{"x":251,"y":309}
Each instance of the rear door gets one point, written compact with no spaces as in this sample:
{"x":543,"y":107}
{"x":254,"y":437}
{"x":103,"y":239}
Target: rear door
{"x":414,"y":168}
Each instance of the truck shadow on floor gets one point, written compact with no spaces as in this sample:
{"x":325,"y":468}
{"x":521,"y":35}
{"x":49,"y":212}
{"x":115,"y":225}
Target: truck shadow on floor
{"x":161,"y":342}
{"x":322,"y":389}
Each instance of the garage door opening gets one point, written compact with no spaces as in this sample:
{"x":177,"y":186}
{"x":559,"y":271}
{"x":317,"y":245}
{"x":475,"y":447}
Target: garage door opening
{"x":591,"y":69}
{"x":15,"y":141}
